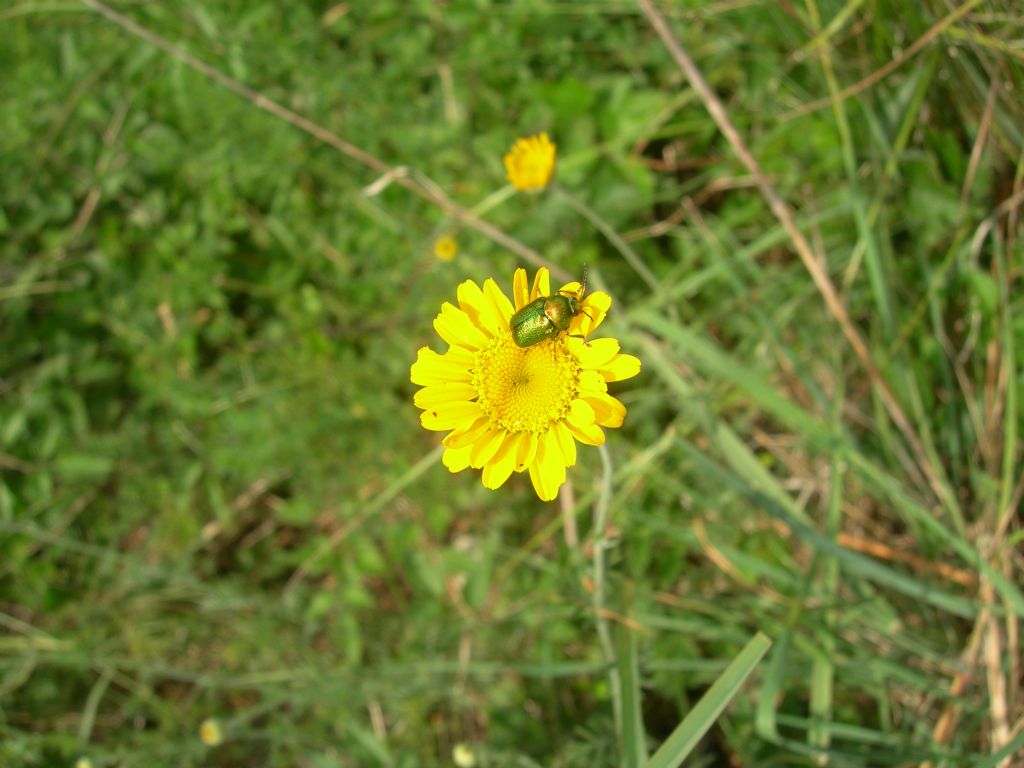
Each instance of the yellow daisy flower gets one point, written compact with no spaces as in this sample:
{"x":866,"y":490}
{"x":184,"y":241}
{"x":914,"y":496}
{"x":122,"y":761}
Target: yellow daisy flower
{"x":463,"y":756}
{"x":512,"y":409}
{"x":530,"y":163}
{"x":210,"y":732}
{"x":445,"y":248}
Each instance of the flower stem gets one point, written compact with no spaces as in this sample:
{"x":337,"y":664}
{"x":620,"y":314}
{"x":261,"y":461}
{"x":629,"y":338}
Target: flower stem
{"x":606,"y":229}
{"x":600,"y":544}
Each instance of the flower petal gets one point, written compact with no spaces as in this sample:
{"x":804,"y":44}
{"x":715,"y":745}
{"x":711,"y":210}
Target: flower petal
{"x":566,"y":443}
{"x":526,"y":450}
{"x":580,"y":414}
{"x":588,"y":435}
{"x":520,"y":289}
{"x":544,"y":494}
{"x":593,"y":308}
{"x":456,"y":459}
{"x":432,"y":368}
{"x":459,"y":357}
{"x":609,"y":411}
{"x":455,"y":326}
{"x":500,"y":467}
{"x":499,"y":301}
{"x":571,"y":289}
{"x":471,"y":301}
{"x":581,"y":423}
{"x":594,"y":354}
{"x":541,"y":284}
{"x":547,"y":471}
{"x":463,"y":437}
{"x":495,"y":475}
{"x":443,"y":417}
{"x":621,"y":367}
{"x":483,"y":450}
{"x":446,"y":392}
{"x":590,"y":381}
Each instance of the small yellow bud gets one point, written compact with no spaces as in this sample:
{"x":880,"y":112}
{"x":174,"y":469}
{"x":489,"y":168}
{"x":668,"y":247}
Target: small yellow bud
{"x":463,"y":756}
{"x":445,"y":248}
{"x":210,"y":732}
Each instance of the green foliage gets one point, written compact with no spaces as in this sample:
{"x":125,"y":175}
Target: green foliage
{"x":215,"y":496}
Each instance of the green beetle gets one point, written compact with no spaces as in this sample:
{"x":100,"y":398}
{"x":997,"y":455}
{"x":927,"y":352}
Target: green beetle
{"x":547,"y":316}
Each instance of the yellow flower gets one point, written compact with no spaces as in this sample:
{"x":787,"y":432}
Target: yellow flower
{"x":210,"y":732}
{"x":530,"y":163}
{"x":463,"y":756}
{"x":512,"y":409}
{"x":445,"y":248}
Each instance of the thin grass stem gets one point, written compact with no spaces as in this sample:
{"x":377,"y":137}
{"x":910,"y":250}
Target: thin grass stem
{"x":600,"y":544}
{"x":632,"y":257}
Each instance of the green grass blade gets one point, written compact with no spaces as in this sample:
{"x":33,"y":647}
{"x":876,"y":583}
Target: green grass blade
{"x":1006,"y":588}
{"x":634,"y":739}
{"x":686,"y":735}
{"x":716,"y":363}
{"x":1008,"y":474}
{"x":852,"y":562}
{"x":823,"y":667}
{"x":772,"y":684}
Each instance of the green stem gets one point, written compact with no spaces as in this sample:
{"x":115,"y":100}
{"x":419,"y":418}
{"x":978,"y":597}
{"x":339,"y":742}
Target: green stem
{"x":600,"y":544}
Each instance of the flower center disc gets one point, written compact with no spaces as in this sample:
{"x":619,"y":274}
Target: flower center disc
{"x":525,"y":390}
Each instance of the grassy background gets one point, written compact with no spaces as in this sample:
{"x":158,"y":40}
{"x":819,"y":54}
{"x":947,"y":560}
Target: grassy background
{"x":217,"y":501}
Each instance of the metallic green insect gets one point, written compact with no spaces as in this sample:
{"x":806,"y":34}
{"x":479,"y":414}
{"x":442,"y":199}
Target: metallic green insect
{"x":546,"y":317}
